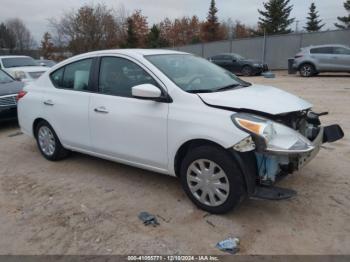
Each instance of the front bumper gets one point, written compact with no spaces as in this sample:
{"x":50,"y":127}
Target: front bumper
{"x":8,"y":113}
{"x":306,"y":157}
{"x":272,"y":165}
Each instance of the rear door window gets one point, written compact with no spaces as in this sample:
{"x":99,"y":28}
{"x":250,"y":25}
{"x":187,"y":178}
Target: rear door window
{"x":322,"y":50}
{"x":74,"y":76}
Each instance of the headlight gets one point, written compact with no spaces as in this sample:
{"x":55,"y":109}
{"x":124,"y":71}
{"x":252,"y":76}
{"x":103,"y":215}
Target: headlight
{"x":257,"y":65}
{"x":19,"y":75}
{"x":272,"y":136}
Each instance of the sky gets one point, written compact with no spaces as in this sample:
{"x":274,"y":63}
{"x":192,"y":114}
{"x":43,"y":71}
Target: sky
{"x":35,"y":13}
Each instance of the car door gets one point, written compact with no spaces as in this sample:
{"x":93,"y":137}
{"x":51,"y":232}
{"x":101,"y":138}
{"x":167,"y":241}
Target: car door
{"x":223,"y":61}
{"x":236,"y":64}
{"x":323,"y":56}
{"x":66,"y":105}
{"x":123,"y":127}
{"x":342,"y":58}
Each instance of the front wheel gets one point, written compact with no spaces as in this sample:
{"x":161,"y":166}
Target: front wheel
{"x":307,"y":70}
{"x":247,"y":71}
{"x":212,"y":179}
{"x":48,"y":142}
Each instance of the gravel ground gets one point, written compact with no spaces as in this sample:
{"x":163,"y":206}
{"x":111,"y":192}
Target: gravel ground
{"x":85,"y":205}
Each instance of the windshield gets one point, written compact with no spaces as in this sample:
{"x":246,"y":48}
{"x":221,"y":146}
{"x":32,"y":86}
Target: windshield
{"x":194,"y":74}
{"x":5,"y":78}
{"x":18,"y":62}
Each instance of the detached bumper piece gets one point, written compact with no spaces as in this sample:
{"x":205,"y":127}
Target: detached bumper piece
{"x":332,"y":133}
{"x":273,"y":193}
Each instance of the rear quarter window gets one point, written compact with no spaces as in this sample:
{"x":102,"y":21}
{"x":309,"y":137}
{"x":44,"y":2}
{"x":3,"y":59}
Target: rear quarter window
{"x":56,"y":77}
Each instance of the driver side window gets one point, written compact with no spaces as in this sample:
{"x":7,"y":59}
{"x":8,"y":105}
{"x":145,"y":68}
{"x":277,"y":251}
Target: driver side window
{"x":119,"y":75}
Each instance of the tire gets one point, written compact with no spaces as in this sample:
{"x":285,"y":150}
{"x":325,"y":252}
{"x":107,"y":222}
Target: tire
{"x":247,"y":71}
{"x":307,"y":70}
{"x":218,"y":199}
{"x":48,"y":142}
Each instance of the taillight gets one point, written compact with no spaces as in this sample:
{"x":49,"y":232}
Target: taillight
{"x":20,"y":95}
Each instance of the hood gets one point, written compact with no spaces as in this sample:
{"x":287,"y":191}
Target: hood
{"x":27,"y":69}
{"x":260,"y":98}
{"x":10,"y":88}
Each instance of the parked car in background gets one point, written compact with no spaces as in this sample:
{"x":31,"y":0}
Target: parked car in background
{"x":46,"y":62}
{"x":176,"y":114}
{"x":238,"y":64}
{"x":9,"y":89}
{"x":313,"y":60}
{"x":22,"y":68}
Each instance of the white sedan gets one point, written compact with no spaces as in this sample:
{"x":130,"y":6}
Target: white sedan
{"x":176,"y":114}
{"x":22,"y":68}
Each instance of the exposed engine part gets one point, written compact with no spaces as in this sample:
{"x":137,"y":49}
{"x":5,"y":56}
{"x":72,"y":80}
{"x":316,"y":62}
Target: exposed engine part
{"x":245,"y":145}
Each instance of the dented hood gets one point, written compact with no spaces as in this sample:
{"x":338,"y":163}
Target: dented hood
{"x":260,"y":98}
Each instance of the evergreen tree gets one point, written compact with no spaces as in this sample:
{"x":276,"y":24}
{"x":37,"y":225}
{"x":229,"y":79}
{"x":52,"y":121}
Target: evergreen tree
{"x":47,"y":46}
{"x":131,"y":40}
{"x":211,"y":27}
{"x":275,"y":18}
{"x":313,"y":24}
{"x":154,"y":39}
{"x":345,"y":20}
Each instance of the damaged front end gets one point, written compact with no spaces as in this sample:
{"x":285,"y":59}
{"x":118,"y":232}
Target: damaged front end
{"x":284,"y":144}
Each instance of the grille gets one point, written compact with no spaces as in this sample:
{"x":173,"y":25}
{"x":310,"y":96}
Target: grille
{"x":9,"y":100}
{"x":36,"y":75}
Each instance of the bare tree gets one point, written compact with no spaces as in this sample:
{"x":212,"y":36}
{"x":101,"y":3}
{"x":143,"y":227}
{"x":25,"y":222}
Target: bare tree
{"x":7,"y":40}
{"x":23,"y":37}
{"x":91,"y":27}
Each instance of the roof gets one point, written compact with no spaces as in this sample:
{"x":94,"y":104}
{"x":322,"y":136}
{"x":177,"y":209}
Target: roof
{"x":127,"y":52}
{"x":136,"y":51}
{"x":13,"y":56}
{"x":328,"y":45}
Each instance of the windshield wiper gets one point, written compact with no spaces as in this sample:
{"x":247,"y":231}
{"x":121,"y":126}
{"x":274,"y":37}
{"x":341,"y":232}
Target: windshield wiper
{"x":227,"y":87}
{"x":195,"y":91}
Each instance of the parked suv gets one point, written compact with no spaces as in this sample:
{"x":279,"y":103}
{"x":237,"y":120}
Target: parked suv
{"x":323,"y":58}
{"x":176,"y":114}
{"x":238,"y":64}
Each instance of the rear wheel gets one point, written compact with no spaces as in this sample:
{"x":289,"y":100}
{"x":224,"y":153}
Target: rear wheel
{"x":307,"y":70}
{"x":48,"y":142}
{"x":211,"y":179}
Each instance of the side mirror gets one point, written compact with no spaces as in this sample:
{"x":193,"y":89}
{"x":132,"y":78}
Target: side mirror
{"x":234,"y":60}
{"x":146,"y":91}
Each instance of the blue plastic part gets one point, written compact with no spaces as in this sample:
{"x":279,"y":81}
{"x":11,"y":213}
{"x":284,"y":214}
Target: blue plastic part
{"x":268,"y":167}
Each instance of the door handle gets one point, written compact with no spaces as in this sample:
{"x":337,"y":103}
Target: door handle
{"x":101,"y":109}
{"x":48,"y":102}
